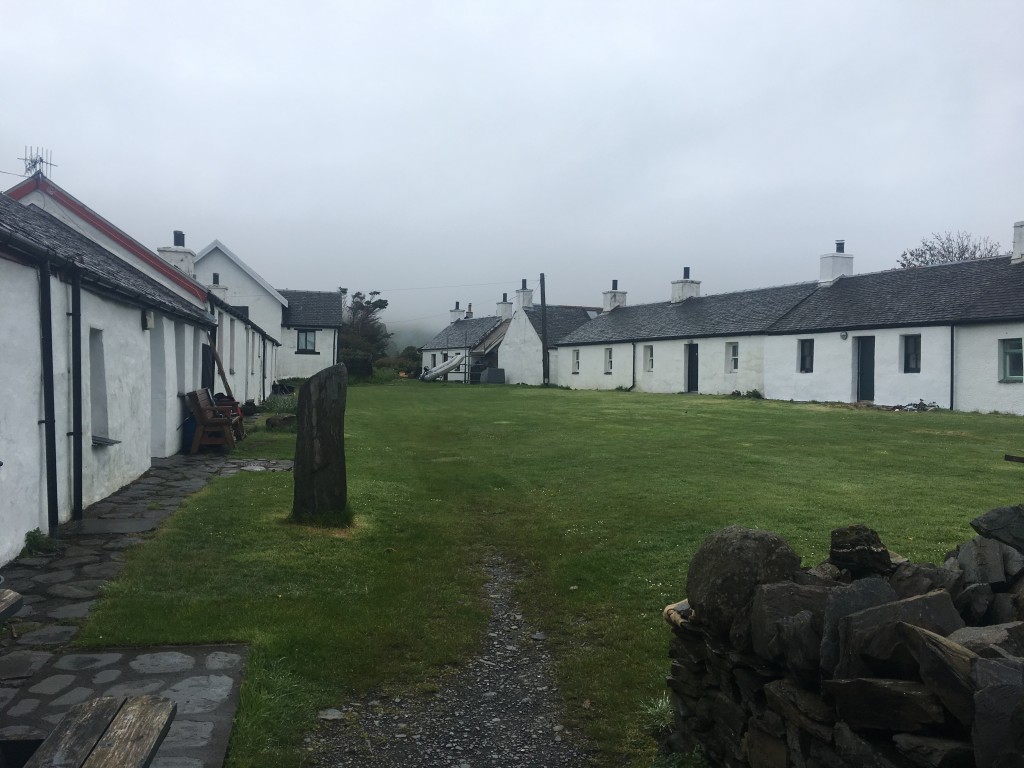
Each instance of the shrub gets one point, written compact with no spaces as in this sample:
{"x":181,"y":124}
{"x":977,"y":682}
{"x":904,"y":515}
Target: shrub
{"x":281,"y":403}
{"x":384,"y":375}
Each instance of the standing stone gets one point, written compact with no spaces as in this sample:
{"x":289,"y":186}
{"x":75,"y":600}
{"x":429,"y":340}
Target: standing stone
{"x":320,"y":483}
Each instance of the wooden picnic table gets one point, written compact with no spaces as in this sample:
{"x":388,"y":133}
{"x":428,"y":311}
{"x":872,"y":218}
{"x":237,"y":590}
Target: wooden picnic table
{"x":109,"y":732}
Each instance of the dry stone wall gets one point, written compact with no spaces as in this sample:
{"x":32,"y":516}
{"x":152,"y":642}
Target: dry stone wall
{"x":867,"y":659}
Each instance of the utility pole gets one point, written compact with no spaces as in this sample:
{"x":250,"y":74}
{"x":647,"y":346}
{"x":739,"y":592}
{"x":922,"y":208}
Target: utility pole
{"x":544,"y":332}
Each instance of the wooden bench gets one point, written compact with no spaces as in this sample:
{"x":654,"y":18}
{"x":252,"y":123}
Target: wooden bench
{"x":110,"y":732}
{"x":10,"y":603}
{"x":215,"y":424}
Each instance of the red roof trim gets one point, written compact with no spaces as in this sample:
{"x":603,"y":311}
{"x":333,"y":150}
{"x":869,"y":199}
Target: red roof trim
{"x":25,"y":188}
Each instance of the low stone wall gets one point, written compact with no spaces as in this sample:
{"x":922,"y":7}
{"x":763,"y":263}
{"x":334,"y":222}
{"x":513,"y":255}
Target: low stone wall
{"x":865,"y":660}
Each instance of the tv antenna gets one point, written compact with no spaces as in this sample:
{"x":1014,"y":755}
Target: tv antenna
{"x":38,"y":159}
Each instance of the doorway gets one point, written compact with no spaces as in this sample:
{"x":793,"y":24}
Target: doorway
{"x":692,"y":377}
{"x":865,"y":367}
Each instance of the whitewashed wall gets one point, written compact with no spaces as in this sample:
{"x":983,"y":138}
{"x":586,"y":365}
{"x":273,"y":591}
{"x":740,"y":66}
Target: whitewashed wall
{"x":239,"y":289}
{"x":835,"y":367}
{"x":520,"y":352}
{"x":977,"y":369}
{"x":291,"y":363}
{"x":126,"y":351}
{"x":670,"y":361}
{"x":22,"y":447}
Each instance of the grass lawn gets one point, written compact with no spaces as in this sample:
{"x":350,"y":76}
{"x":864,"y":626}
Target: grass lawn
{"x":598,"y":498}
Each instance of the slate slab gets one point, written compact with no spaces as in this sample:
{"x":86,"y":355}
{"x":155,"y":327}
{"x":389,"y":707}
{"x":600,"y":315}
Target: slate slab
{"x":945,"y":667}
{"x":1005,"y":524}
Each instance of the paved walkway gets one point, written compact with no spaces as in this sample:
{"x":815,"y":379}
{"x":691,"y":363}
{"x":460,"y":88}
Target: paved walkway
{"x":40,"y":678}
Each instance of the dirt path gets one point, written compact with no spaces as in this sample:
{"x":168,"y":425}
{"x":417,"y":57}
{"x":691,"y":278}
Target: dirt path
{"x":498,"y":710}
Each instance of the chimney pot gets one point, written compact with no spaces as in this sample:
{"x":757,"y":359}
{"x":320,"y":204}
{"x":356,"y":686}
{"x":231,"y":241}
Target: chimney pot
{"x":524,"y":284}
{"x":456,"y":305}
{"x":615,"y":285}
{"x":686,"y":273}
{"x":840,"y":246}
{"x":504,"y":297}
{"x":179,"y":239}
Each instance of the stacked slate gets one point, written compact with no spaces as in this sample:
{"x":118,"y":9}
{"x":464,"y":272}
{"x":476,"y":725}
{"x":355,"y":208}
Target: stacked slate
{"x":867,"y":659}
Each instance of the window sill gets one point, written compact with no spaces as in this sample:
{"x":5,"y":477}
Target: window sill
{"x":98,"y":441}
{"x":306,"y":352}
{"x":1011,"y":381}
{"x":607,"y":373}
{"x":575,"y":373}
{"x":912,"y":372}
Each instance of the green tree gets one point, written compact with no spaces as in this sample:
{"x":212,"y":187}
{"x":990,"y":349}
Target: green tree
{"x":947,"y":247}
{"x":364,"y":336}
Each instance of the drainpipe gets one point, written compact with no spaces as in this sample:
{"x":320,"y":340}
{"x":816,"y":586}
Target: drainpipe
{"x":952,"y":363}
{"x":49,"y":408}
{"x":263,"y":370}
{"x":633,"y":385}
{"x":76,"y":395}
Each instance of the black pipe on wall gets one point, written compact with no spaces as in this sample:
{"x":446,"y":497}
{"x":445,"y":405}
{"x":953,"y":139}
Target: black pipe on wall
{"x":76,"y":395}
{"x":49,"y":407}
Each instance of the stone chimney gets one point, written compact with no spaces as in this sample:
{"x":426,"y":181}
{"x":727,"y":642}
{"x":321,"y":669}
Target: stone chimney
{"x":524,"y":297}
{"x":1017,"y":257}
{"x":685,"y":288}
{"x":614,"y":298}
{"x":504,"y":307}
{"x":178,"y":255}
{"x":469,"y":310}
{"x":835,"y":265}
{"x":457,"y":314}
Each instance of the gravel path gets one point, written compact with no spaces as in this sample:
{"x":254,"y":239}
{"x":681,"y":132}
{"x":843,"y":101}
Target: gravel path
{"x":498,"y":710}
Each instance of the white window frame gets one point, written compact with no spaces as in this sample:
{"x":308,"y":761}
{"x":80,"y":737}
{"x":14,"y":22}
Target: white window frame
{"x":608,"y":360}
{"x":648,"y":357}
{"x":575,"y":361}
{"x":732,"y":356}
{"x":1011,"y":360}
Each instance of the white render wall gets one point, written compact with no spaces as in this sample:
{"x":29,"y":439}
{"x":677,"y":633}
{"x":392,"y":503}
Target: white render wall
{"x":241,"y":290}
{"x":670,"y":361}
{"x":145,"y":419}
{"x":22,"y":447}
{"x":293,"y":364}
{"x":520,"y":353}
{"x":977,"y":369}
{"x":835,"y":367}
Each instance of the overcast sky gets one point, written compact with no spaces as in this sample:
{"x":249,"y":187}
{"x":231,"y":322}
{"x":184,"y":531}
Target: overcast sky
{"x":405,"y":146}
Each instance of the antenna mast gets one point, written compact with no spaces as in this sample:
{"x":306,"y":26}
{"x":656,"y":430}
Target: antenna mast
{"x":38,"y":159}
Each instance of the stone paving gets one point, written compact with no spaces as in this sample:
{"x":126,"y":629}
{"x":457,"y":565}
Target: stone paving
{"x":40,"y":677}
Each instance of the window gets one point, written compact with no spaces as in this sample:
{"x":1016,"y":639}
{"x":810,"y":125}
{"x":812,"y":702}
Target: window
{"x":806,"y":348}
{"x":216,"y":278}
{"x":732,"y":356}
{"x":607,"y":359}
{"x":911,"y":353}
{"x":305,"y":344}
{"x":97,"y":386}
{"x":433,"y":359}
{"x":649,"y":357}
{"x":575,"y":361}
{"x":1011,"y":360}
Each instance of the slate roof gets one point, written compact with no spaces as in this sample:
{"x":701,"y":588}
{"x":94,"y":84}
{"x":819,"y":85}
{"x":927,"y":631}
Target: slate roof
{"x":725,"y":314}
{"x":982,"y":290}
{"x":561,"y":320}
{"x":98,"y":266}
{"x":320,"y":309}
{"x":463,"y":333}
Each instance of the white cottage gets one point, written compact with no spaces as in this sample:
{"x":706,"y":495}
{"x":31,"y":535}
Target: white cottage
{"x":310,"y":332}
{"x":691,"y":343}
{"x":521,"y":354}
{"x":95,"y":354}
{"x":948,"y":333}
{"x":476,"y":339}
